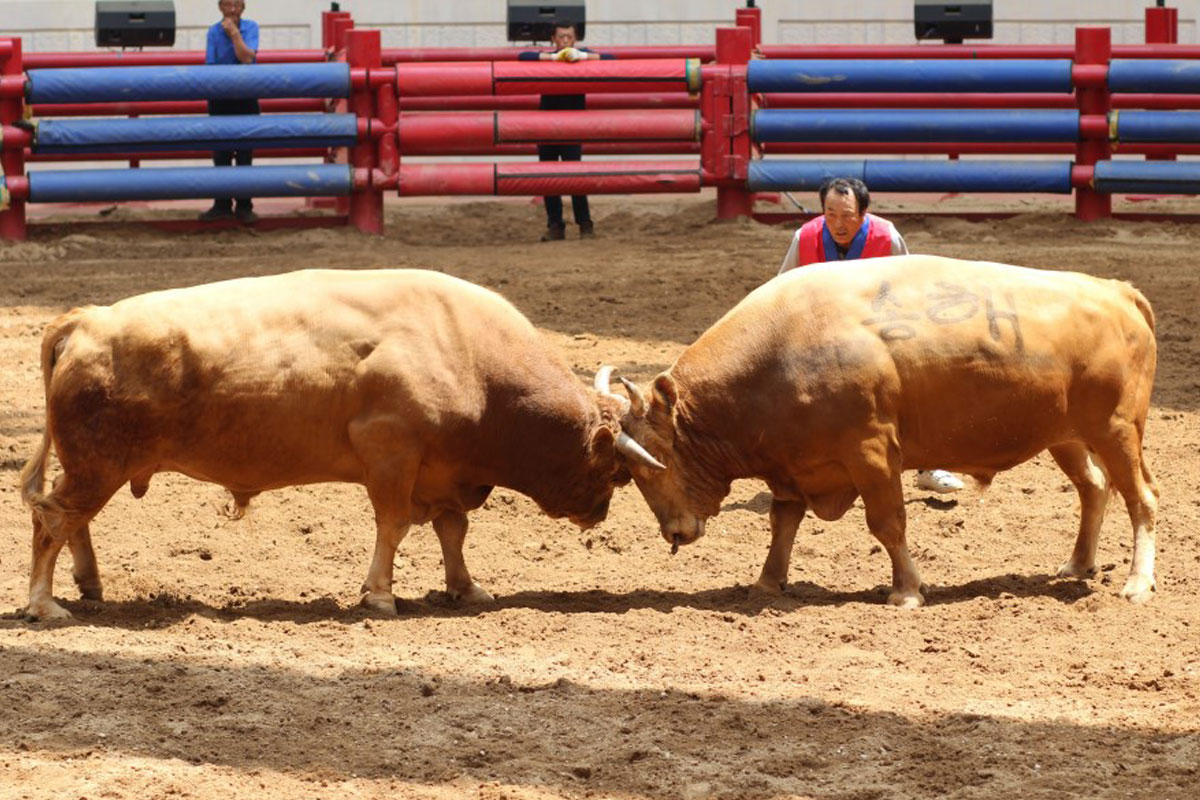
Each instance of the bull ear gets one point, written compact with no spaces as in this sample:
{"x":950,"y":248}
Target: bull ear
{"x":664,"y":391}
{"x":604,"y":443}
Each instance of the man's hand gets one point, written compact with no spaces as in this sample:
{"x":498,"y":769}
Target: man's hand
{"x":570,"y":54}
{"x":229,"y":26}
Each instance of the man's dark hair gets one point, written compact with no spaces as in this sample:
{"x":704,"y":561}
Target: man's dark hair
{"x":567,"y":23}
{"x":847,"y":186}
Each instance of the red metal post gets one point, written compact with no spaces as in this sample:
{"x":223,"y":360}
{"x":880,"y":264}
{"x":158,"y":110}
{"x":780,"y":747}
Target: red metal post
{"x":363,"y":50}
{"x":387,"y":111}
{"x":1093,"y":46}
{"x":1162,"y":25}
{"x":339,"y":26}
{"x":730,"y":120}
{"x":12,"y":159}
{"x":328,"y":40}
{"x":750,"y":18}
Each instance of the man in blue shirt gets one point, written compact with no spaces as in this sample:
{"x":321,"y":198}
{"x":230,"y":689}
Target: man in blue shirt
{"x":565,"y":37}
{"x":233,"y":40}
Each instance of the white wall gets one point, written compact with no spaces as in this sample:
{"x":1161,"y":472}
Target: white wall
{"x":67,"y":24}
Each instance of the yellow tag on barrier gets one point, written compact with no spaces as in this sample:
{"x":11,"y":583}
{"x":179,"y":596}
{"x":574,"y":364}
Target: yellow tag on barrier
{"x":3,"y":195}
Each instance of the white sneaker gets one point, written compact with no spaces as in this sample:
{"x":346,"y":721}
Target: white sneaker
{"x":938,"y":480}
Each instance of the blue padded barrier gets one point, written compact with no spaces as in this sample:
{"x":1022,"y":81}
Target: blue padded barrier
{"x":208,"y":82}
{"x":1158,"y":126}
{"x":914,"y":125}
{"x":173,"y":183}
{"x":1154,"y":75}
{"x":895,"y":75}
{"x":195,"y":133}
{"x":914,"y":175}
{"x":1154,"y":177}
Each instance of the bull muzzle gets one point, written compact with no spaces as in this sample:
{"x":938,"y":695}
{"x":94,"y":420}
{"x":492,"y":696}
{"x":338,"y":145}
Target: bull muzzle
{"x":678,"y":537}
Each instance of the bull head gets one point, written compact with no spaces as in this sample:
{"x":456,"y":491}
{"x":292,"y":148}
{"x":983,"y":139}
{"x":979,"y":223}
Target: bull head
{"x":626,"y":444}
{"x":660,"y":485}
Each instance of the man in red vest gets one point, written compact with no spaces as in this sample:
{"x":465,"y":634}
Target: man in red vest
{"x":844,"y":232}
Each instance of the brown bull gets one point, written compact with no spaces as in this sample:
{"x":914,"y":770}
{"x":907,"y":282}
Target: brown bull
{"x":830,"y":380}
{"x":423,"y":388}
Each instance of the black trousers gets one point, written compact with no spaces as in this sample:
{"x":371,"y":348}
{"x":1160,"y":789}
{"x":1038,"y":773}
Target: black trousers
{"x":554,"y":204}
{"x":226,"y":158}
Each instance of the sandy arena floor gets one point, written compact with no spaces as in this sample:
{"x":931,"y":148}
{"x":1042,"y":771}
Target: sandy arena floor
{"x":230,"y":659}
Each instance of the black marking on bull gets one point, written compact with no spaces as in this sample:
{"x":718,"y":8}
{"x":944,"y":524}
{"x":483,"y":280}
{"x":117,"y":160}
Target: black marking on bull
{"x":950,"y":305}
{"x":954,"y":304}
{"x":995,"y":317}
{"x":889,"y":316}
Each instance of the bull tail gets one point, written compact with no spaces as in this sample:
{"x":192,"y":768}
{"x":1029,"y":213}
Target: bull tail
{"x":33,"y":474}
{"x":1142,"y":304}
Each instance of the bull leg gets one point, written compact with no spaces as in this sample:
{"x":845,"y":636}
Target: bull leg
{"x":1122,"y":455}
{"x":84,"y":568}
{"x":451,"y":529}
{"x":886,"y":519}
{"x":63,"y":517}
{"x":390,"y":492}
{"x":46,"y":547}
{"x":1092,"y":484}
{"x":390,"y":477}
{"x":377,"y":589}
{"x":786,"y":516}
{"x":877,"y":478}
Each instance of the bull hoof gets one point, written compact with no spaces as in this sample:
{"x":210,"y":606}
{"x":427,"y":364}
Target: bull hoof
{"x":906,"y":599}
{"x":92,"y":592}
{"x":1073,"y":570}
{"x":1138,"y":589}
{"x":474,"y":595}
{"x":45,"y":611}
{"x":383,"y":603}
{"x":766,"y":589}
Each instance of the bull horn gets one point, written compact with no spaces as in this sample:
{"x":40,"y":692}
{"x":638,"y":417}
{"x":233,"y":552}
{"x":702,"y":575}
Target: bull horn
{"x":603,"y":385}
{"x":603,"y":381}
{"x":629,"y":447}
{"x":636,"y":398}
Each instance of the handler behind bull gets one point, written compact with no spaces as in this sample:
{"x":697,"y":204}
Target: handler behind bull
{"x":566,"y":48}
{"x":844,"y":232}
{"x":233,"y":40}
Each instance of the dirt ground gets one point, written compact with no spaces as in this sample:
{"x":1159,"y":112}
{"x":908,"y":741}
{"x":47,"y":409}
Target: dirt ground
{"x":230,"y":659}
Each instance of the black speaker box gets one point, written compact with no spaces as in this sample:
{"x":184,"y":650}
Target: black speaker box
{"x":534,"y":22}
{"x":135,"y":23}
{"x":953,"y":22}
